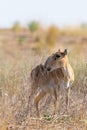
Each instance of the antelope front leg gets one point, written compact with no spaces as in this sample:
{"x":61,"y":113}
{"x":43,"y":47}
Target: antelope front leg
{"x":37,"y":99}
{"x":67,"y":98}
{"x":55,"y":101}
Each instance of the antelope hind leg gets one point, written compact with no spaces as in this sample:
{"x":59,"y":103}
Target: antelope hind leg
{"x":37,"y":99}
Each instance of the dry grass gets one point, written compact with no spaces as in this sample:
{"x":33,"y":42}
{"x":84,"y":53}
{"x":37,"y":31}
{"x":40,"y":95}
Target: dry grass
{"x":15,"y":65}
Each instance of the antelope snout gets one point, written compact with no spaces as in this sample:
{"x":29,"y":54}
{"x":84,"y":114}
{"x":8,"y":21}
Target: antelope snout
{"x":49,"y":68}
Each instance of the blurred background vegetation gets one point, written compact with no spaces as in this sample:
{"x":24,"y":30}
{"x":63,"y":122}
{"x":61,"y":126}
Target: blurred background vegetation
{"x":36,"y":35}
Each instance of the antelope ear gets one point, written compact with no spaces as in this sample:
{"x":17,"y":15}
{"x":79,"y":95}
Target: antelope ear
{"x":65,"y":51}
{"x":58,"y":50}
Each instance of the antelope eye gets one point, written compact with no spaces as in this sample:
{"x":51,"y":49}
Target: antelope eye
{"x":57,"y":56}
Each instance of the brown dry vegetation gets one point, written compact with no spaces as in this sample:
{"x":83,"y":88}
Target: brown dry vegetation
{"x":19,"y":53}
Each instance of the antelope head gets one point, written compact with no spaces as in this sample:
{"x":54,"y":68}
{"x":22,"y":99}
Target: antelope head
{"x":56,"y":60}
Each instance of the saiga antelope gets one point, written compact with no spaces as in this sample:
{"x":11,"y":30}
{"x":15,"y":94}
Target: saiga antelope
{"x":47,"y":77}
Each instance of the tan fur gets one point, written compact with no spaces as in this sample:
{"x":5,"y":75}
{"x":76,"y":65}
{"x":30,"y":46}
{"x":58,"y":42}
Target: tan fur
{"x":66,"y":70}
{"x":47,"y":82}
